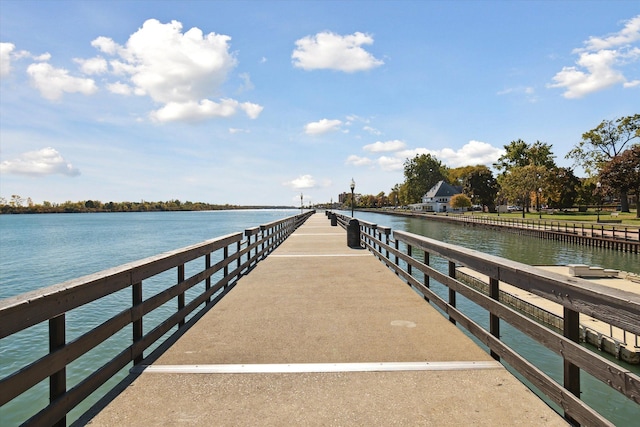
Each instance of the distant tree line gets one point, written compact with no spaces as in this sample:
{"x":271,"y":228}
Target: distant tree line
{"x":20,"y":205}
{"x":529,"y":177}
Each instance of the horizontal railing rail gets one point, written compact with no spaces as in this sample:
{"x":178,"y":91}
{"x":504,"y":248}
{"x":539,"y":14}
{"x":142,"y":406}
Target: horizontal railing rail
{"x":589,"y":229}
{"x":237,"y":254}
{"x":399,"y":250}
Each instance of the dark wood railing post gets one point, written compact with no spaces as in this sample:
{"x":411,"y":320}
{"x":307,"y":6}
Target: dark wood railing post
{"x":225,"y":254}
{"x":397,"y":246}
{"x":386,"y":241}
{"x":426,"y":276}
{"x":409,"y":252}
{"x":181,"y":294}
{"x":494,"y":321}
{"x":255,"y":253}
{"x":207,"y":283}
{"x":249,"y":253}
{"x":571,"y":330}
{"x":57,"y":381}
{"x":452,"y":293}
{"x":247,"y":234}
{"x":239,"y":261}
{"x":136,"y":300}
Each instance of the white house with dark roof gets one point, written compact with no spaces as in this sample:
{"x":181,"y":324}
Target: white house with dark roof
{"x":438,"y":198}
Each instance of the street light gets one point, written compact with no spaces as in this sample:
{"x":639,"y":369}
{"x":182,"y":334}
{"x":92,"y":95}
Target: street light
{"x":598,"y":185}
{"x":353,"y":186}
{"x":300,"y":202}
{"x":539,"y":206}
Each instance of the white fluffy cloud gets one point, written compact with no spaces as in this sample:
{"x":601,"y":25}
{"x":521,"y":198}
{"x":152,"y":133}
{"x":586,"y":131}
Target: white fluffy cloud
{"x":371,"y":130}
{"x":328,"y":50}
{"x":120,"y":88}
{"x":629,"y":34}
{"x":5,"y":58}
{"x":322,"y":126}
{"x":358,"y":161}
{"x":301,"y":182}
{"x":205,"y":109}
{"x":387,"y":146}
{"x":471,"y":154}
{"x":97,"y":65}
{"x":390,"y":164}
{"x":50,"y":81}
{"x":179,"y":70}
{"x":170,"y":66}
{"x":54,"y":82}
{"x":46,"y":161}
{"x":600,"y":63}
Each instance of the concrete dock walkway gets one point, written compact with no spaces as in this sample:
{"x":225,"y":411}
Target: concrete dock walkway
{"x":322,"y":334}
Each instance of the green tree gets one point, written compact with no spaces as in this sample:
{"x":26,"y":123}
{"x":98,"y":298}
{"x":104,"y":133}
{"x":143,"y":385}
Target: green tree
{"x":481,"y":186}
{"x":622,"y":173}
{"x":458,"y":175}
{"x":421,"y":173}
{"x":519,"y":154}
{"x":394,"y":195}
{"x":16,"y":200}
{"x":521,"y":183}
{"x":533,"y":162}
{"x":586,"y":192}
{"x":561,"y":188}
{"x":381,"y":200}
{"x":403,"y":194}
{"x":603,"y":143}
{"x":460,"y":201}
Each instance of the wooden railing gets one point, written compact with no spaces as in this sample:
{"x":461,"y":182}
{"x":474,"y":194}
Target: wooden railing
{"x":400,"y":250}
{"x":627,"y":233}
{"x":235,"y":253}
{"x":595,"y":230}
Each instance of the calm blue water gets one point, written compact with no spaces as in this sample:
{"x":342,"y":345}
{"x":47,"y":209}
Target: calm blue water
{"x":41,"y":250}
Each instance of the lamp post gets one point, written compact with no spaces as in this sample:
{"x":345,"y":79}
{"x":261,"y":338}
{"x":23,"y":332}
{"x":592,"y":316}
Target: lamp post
{"x":598,"y":185}
{"x":498,"y":200}
{"x":539,"y":207}
{"x":300,"y":202}
{"x":353,"y":186}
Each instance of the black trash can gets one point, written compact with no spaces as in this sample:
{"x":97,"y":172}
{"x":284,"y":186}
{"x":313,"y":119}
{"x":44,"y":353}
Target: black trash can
{"x":353,"y":234}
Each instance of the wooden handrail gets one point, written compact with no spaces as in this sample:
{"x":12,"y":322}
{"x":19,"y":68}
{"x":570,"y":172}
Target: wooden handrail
{"x":616,"y":307}
{"x":53,"y":303}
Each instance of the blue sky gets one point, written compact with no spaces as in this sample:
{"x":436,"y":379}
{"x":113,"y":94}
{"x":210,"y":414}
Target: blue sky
{"x":256,"y":102}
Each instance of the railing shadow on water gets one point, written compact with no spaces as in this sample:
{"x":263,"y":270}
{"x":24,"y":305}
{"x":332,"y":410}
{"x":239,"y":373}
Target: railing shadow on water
{"x":180,"y":285}
{"x":412,"y":258}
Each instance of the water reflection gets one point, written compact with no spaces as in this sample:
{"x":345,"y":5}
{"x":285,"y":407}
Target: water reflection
{"x":528,"y":250}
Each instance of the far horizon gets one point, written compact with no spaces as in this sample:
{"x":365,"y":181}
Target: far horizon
{"x":254,"y":103}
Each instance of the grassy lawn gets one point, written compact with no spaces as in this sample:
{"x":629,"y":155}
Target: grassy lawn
{"x":570,"y":217}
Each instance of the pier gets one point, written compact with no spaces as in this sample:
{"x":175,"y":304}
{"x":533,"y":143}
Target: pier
{"x":322,"y":334}
{"x":317,"y":320}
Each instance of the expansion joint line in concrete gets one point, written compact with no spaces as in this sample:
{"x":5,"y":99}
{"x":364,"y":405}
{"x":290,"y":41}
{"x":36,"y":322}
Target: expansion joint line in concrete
{"x":316,"y":255}
{"x":286,"y":368}
{"x":313,"y":234}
